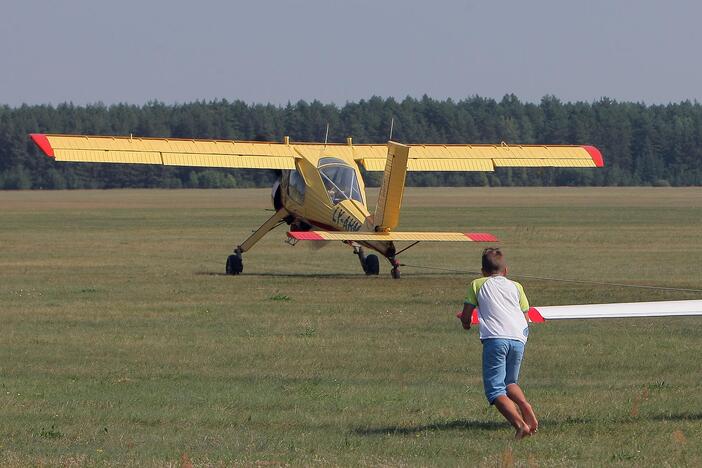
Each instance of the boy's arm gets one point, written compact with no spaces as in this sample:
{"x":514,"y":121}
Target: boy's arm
{"x":523,"y":302}
{"x":469,"y":304}
{"x":466,"y":315}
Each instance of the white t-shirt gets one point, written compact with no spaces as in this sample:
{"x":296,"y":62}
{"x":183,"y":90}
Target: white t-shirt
{"x":501,"y":306}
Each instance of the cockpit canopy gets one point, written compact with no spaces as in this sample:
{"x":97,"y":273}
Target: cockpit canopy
{"x":340,"y":180}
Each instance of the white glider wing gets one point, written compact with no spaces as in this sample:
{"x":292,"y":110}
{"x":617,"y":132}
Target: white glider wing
{"x":615,"y":310}
{"x":622,"y":310}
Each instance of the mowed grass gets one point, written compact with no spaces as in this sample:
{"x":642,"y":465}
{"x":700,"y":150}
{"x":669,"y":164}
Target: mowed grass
{"x":122,"y":343}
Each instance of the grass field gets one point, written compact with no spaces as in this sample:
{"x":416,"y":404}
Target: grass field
{"x":122,"y":343}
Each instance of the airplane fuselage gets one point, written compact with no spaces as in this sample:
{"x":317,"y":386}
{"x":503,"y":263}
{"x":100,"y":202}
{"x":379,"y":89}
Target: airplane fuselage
{"x":313,"y":199}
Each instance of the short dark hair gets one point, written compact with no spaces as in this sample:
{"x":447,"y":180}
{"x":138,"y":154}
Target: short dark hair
{"x":493,"y":261}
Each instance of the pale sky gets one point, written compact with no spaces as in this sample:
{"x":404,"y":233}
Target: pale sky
{"x":87,"y":51}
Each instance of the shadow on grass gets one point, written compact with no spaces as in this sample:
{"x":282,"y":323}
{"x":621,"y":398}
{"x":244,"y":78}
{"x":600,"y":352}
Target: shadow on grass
{"x":319,"y":275}
{"x":443,"y":426}
{"x":675,"y":417}
{"x":286,"y":275}
{"x":466,"y":424}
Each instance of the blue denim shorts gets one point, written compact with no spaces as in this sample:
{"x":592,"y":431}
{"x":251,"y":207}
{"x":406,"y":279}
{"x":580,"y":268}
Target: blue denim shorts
{"x":502,"y":359}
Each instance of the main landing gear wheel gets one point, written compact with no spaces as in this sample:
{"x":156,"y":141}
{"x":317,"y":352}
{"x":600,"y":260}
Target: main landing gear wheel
{"x":235,"y":264}
{"x":372,"y":265}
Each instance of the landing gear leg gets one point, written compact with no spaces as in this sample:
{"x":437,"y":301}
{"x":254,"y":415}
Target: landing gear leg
{"x":235,"y":263}
{"x":358,"y":250}
{"x":395,"y":272}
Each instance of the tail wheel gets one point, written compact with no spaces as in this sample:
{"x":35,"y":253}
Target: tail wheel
{"x":235,"y":265}
{"x":372,"y":265}
{"x":395,"y":272}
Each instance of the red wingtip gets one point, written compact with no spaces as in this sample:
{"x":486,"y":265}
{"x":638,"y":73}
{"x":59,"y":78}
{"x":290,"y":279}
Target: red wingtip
{"x":43,"y":143}
{"x":595,"y":155}
{"x":480,"y":237}
{"x":535,"y":316}
{"x":474,"y":317}
{"x":305,"y":235}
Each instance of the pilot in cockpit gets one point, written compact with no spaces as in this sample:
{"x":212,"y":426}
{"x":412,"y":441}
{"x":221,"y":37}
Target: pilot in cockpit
{"x":335,"y":195}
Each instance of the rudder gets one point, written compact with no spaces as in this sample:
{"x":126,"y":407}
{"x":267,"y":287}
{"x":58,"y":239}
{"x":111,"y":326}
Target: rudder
{"x":387,"y":209}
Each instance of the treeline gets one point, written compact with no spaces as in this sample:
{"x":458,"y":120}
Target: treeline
{"x":657,"y":145}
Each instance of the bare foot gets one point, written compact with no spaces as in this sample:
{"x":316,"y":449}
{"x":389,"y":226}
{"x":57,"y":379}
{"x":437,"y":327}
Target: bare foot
{"x":529,"y":416}
{"x":530,"y":419}
{"x":522,"y":432}
{"x":514,"y":393}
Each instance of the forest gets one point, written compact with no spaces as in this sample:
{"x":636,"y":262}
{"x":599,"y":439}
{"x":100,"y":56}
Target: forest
{"x":650,"y":145}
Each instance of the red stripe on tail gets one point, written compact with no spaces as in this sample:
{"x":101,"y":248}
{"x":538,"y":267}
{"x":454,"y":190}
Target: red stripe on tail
{"x":480,"y":237}
{"x":305,"y":235}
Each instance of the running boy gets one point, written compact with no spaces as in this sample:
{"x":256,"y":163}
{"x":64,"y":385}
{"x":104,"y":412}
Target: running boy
{"x":502,"y":307}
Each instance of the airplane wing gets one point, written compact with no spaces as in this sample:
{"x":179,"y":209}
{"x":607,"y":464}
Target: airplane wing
{"x":168,"y":152}
{"x":393,"y":236}
{"x":616,"y":310}
{"x":268,"y":155}
{"x":482,"y":157}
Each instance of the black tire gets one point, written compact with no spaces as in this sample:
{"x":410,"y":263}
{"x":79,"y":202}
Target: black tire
{"x":372,"y":266}
{"x":234,"y":265}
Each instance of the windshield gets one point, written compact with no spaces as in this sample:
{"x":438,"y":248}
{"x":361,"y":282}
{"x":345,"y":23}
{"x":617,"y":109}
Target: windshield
{"x":340,"y":180}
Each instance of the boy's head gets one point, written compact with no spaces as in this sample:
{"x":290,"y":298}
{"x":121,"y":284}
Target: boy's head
{"x":494,"y":262}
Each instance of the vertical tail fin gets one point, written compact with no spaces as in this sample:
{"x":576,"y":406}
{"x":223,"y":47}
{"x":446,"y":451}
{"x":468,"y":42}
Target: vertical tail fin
{"x":387,"y":210}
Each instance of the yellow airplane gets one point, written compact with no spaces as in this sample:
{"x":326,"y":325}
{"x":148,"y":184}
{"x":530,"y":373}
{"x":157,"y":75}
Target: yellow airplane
{"x":320,"y":193}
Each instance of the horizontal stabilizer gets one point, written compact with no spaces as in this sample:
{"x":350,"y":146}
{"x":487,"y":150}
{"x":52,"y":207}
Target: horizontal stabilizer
{"x":615,"y":310}
{"x":393,"y":236}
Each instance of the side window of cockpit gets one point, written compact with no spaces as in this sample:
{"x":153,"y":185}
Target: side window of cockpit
{"x":296,"y":187}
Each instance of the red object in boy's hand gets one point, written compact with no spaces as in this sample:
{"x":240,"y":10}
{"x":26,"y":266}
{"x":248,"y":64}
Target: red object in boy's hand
{"x":466,"y":325}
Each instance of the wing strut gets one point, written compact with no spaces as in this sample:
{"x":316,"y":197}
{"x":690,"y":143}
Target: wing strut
{"x":407,"y":248}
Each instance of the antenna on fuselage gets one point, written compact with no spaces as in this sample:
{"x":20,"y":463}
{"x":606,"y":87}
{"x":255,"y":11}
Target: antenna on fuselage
{"x":326,"y":135}
{"x":392,"y":124}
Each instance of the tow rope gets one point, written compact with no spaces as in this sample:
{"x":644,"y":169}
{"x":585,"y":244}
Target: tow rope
{"x":563,"y":280}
